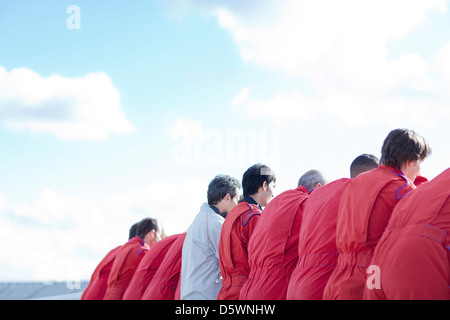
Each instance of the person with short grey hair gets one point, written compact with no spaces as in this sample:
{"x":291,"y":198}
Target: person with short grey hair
{"x":273,"y":251}
{"x":220,"y":187}
{"x":200,"y":272}
{"x":312,"y":180}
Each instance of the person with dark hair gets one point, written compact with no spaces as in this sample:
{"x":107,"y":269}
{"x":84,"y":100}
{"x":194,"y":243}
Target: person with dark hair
{"x":133,"y":229}
{"x":258,"y":183}
{"x":404,"y":150}
{"x":148,"y":267}
{"x":366,"y":206}
{"x":317,"y":253}
{"x":412,"y":256}
{"x":363,"y":163}
{"x":99,"y":281}
{"x":200,"y":277}
{"x":273,"y":247}
{"x":148,"y":233}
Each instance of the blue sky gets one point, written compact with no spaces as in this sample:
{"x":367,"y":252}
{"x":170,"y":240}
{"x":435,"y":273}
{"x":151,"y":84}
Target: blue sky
{"x":135,"y":112}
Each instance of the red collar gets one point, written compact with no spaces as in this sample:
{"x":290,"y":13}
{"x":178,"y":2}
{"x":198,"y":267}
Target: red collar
{"x":383,"y":166}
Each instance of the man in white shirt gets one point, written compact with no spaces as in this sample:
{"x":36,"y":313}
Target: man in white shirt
{"x":200,"y":271}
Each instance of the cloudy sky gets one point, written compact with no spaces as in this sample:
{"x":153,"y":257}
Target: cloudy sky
{"x":115,"y":111}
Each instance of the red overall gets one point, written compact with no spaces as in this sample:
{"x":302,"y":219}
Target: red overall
{"x":124,"y":266}
{"x":273,"y":247}
{"x":420,"y":180}
{"x":99,"y":280}
{"x":233,"y":258}
{"x":165,"y":281}
{"x":413,"y":255}
{"x":147,"y":268}
{"x":317,"y":253}
{"x":364,"y":211}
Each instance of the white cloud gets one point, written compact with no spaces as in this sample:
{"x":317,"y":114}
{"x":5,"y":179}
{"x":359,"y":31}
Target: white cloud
{"x":293,"y":105}
{"x":346,"y":108}
{"x":180,"y":8}
{"x":240,"y":98}
{"x":64,"y":238}
{"x":302,"y":35}
{"x":341,"y":49}
{"x":70,"y":108}
{"x":50,"y":210}
{"x":442,"y":64}
{"x":2,"y":201}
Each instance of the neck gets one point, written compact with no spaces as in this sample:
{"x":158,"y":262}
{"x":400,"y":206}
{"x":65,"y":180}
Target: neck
{"x":221,"y":209}
{"x":256,"y":197}
{"x":408,"y":173}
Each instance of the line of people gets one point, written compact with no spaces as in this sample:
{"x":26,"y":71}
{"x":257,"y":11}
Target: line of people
{"x":381,"y":233}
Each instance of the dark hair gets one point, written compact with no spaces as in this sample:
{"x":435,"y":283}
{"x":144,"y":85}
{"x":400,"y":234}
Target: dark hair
{"x":311,"y":178}
{"x":220,"y":186}
{"x":145,"y":226}
{"x":363,"y":163}
{"x":254,"y":178}
{"x":132,"y":232}
{"x":402,"y":145}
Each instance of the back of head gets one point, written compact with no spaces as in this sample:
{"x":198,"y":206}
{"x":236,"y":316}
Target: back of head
{"x":146,"y":225}
{"x":363,"y":163}
{"x":401,"y":146}
{"x":311,"y":179}
{"x":220,"y":186}
{"x":132,"y":232}
{"x":254,"y":178}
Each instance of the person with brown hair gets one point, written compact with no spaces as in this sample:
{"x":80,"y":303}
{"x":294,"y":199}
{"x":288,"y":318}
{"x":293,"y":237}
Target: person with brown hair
{"x":148,"y":233}
{"x":412,"y":256}
{"x":366,"y":206}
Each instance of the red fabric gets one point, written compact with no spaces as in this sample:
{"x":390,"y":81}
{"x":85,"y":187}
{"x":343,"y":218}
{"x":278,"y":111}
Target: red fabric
{"x":273,"y":247}
{"x":364,"y":211}
{"x":420,"y":180}
{"x":165,"y":282}
{"x":178,"y":292}
{"x":233,"y":258}
{"x":413,"y":255}
{"x":99,"y":281}
{"x":147,"y":268}
{"x":124,"y":266}
{"x":317,"y":250}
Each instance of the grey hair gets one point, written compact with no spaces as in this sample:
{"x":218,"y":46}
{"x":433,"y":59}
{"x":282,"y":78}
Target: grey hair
{"x":311,"y":178}
{"x":220,"y":186}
